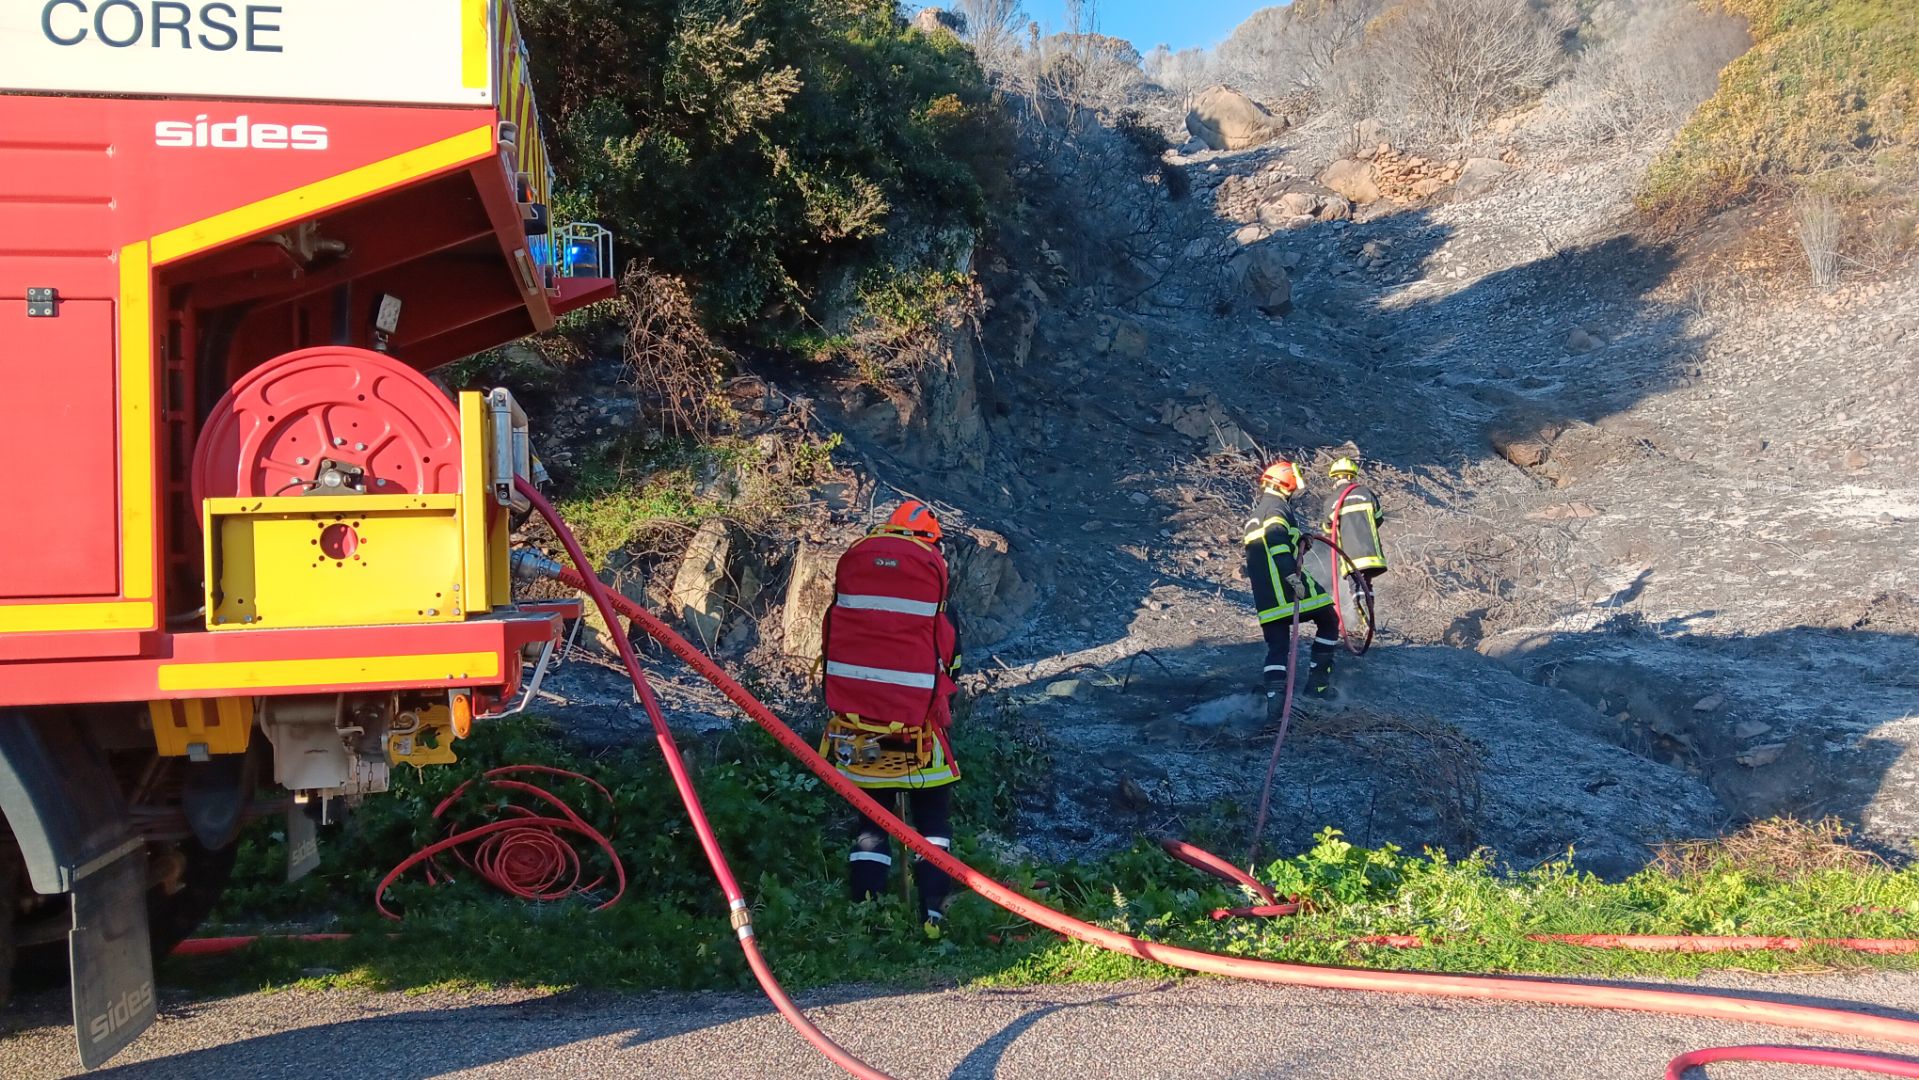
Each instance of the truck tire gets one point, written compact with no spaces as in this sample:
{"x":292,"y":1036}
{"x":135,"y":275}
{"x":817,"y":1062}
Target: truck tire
{"x":170,"y":919}
{"x":11,"y":880}
{"x":173,"y":919}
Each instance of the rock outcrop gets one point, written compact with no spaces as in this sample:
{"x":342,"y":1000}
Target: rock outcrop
{"x":809,"y":590}
{"x":716,"y":579}
{"x":1260,"y":271}
{"x":1225,"y":119}
{"x":1353,"y":180}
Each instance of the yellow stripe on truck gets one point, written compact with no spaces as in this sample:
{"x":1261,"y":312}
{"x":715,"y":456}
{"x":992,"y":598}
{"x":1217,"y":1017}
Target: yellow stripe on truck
{"x":475,"y":44}
{"x":343,"y":671}
{"x":323,"y":195}
{"x":137,"y":534}
{"x":63,"y":618}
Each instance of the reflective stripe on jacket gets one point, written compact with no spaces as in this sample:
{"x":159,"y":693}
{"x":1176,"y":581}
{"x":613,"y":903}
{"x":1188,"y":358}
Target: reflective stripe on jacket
{"x":1273,"y":546}
{"x":1354,"y":526}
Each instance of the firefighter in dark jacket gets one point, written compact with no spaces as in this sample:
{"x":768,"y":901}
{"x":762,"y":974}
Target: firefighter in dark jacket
{"x":1353,"y":520}
{"x":1281,"y":585}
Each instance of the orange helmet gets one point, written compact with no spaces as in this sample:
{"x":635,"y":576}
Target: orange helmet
{"x":1282,"y":476}
{"x":912,"y":518}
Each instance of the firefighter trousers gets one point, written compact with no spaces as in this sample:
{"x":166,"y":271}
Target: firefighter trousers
{"x":1279,"y":643}
{"x":931,"y":812}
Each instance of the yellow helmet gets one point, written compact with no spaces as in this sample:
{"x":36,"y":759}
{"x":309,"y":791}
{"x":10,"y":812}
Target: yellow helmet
{"x":1343,"y":467}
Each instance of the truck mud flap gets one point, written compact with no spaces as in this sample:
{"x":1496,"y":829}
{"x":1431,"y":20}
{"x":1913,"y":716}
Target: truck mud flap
{"x":303,"y":844}
{"x":112,"y":959}
{"x":64,"y":808}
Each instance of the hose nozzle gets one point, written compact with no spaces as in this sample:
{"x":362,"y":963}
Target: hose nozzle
{"x":533,"y":566}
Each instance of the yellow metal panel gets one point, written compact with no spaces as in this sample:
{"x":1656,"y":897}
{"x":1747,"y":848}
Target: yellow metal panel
{"x":499,"y":570}
{"x":269,"y":674}
{"x":271,"y":571}
{"x":331,"y":504}
{"x":63,"y":618}
{"x":218,"y":725}
{"x":138,"y":538}
{"x":474,"y":498}
{"x":476,"y":39}
{"x":323,"y":195}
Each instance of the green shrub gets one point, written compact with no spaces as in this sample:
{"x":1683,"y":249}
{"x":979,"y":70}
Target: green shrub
{"x":759,"y":147}
{"x":1827,"y":84}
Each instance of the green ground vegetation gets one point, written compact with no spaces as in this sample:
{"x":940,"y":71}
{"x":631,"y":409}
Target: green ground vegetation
{"x":629,"y":493}
{"x":1829,"y":85}
{"x":783,"y":832}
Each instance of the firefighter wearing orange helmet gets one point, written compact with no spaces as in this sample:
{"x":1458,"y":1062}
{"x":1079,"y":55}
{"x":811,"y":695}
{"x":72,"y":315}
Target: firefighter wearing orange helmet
{"x":891,"y":659}
{"x":1282,"y":587}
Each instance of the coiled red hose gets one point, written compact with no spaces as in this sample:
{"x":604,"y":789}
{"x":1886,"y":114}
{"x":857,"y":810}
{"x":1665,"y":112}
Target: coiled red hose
{"x":1720,"y":1007}
{"x":524,"y":855}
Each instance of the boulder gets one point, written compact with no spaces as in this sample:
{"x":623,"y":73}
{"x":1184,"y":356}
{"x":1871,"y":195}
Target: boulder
{"x":630,"y":584}
{"x":1524,"y":440}
{"x":1121,"y":337}
{"x":1427,"y":188}
{"x":1296,"y":203}
{"x":1225,"y":119}
{"x":809,"y":592}
{"x":990,"y":596}
{"x":1352,"y":179}
{"x":1582,"y":341}
{"x":1372,"y":134}
{"x":1478,"y":177}
{"x":932,"y":20}
{"x":716,"y":578}
{"x":1261,"y":273}
{"x":1335,"y":208}
{"x":1251,"y":234}
{"x":1210,"y":423}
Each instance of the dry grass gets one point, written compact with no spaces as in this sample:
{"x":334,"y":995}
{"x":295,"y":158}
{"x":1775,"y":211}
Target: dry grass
{"x":675,"y":367}
{"x":1778,"y":849}
{"x":1421,"y":757}
{"x":1820,"y":227}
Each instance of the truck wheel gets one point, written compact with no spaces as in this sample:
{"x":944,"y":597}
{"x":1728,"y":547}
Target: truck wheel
{"x":172,"y":919}
{"x":10,"y":882}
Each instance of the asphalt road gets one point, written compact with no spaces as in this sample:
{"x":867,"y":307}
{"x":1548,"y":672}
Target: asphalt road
{"x":1196,"y":1029}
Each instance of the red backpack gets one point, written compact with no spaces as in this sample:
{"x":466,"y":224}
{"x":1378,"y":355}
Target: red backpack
{"x":888,"y":642}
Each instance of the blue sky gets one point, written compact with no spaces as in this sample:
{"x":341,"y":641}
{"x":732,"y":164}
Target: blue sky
{"x":1146,"y":23}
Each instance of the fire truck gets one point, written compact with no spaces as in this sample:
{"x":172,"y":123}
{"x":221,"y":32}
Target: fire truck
{"x":255,"y":558}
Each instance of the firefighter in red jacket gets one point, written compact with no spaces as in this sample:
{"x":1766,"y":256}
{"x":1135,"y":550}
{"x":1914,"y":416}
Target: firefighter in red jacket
{"x":1282,"y":586}
{"x":891,"y":658}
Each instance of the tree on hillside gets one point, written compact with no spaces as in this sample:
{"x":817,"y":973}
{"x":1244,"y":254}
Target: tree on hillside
{"x":1185,"y":72}
{"x":1450,"y":66}
{"x":1280,"y":50}
{"x":993,"y":28}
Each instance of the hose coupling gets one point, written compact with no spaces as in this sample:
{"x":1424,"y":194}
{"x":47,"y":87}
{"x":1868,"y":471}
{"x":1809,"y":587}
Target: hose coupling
{"x":532,"y":566}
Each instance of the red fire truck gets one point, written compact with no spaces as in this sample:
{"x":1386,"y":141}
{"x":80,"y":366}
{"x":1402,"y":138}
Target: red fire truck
{"x":254,"y":558}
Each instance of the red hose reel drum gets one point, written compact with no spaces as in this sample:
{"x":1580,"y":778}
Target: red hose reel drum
{"x":360,"y":414}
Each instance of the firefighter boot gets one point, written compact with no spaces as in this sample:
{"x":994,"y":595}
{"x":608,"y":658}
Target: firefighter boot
{"x":1319,"y":681}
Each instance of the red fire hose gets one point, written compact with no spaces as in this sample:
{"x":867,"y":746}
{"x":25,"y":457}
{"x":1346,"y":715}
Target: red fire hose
{"x":741,"y":911}
{"x":1705,"y":1006}
{"x":523,"y":855}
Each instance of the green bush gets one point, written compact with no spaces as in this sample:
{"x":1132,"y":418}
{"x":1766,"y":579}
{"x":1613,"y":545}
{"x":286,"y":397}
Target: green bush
{"x":1827,"y":84}
{"x":762,"y":147}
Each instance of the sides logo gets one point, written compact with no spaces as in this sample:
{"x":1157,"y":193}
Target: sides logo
{"x":240,"y":133}
{"x":131,"y":1004}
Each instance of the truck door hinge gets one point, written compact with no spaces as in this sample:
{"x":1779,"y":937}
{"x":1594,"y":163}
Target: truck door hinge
{"x":43,"y":303}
